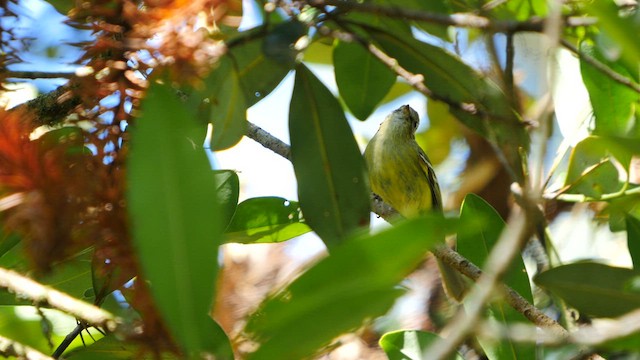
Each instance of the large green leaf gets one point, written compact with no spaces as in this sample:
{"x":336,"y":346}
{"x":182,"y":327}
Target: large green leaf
{"x":362,"y":79}
{"x":356,"y":282}
{"x":595,"y":289}
{"x":409,"y":344}
{"x":264,"y":220}
{"x":613,"y":103}
{"x":332,"y":181}
{"x":476,"y":246}
{"x":176,"y":221}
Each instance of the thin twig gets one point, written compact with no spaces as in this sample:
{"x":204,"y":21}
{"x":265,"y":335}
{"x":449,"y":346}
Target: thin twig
{"x":45,"y":296}
{"x":39,"y":75}
{"x":603,"y":68}
{"x":508,"y":70}
{"x":68,"y":340}
{"x":457,"y":20}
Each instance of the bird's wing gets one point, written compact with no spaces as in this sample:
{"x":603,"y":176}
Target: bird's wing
{"x":425,"y":164}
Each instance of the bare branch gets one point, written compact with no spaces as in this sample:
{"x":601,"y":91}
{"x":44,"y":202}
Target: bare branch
{"x":42,"y":295}
{"x":267,"y":140}
{"x":39,"y":75}
{"x":615,"y":76}
{"x":9,"y":348}
{"x":457,"y":20}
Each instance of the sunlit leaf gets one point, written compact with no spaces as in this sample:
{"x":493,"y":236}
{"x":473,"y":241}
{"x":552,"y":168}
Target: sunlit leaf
{"x":266,"y":219}
{"x":356,"y":282}
{"x":589,"y":172}
{"x":332,"y":181}
{"x":596,"y":289}
{"x":175,"y":217}
{"x":362,"y":79}
{"x":623,"y":30}
{"x":613,"y":103}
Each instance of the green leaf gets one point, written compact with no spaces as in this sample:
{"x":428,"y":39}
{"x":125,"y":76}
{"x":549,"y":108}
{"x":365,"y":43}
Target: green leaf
{"x":633,"y":240}
{"x":8,"y":241}
{"x":222,"y":103}
{"x":476,"y":245}
{"x":596,"y":289}
{"x":438,"y":7}
{"x":228,"y":113}
{"x":409,"y":344}
{"x":227,"y":191}
{"x":175,"y":218}
{"x":589,"y":172}
{"x":72,"y":276}
{"x":363,"y":81}
{"x":332,"y":182}
{"x":261,"y":68}
{"x":265,"y":220}
{"x":613,"y":103}
{"x":356,"y":282}
{"x":445,"y":74}
{"x":623,"y":30}
{"x":62,"y":6}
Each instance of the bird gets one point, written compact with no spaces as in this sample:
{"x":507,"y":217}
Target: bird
{"x":401,"y":174}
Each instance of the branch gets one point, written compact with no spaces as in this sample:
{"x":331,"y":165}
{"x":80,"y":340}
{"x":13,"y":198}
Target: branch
{"x":42,"y":295}
{"x":415,"y":80}
{"x":603,"y":68}
{"x":443,"y":253}
{"x":513,"y":298}
{"x":39,"y":75}
{"x":457,"y":20}
{"x":267,"y":140}
{"x":517,"y":231}
{"x":10,"y":348}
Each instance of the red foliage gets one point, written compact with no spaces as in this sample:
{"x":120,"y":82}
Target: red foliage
{"x":65,"y":198}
